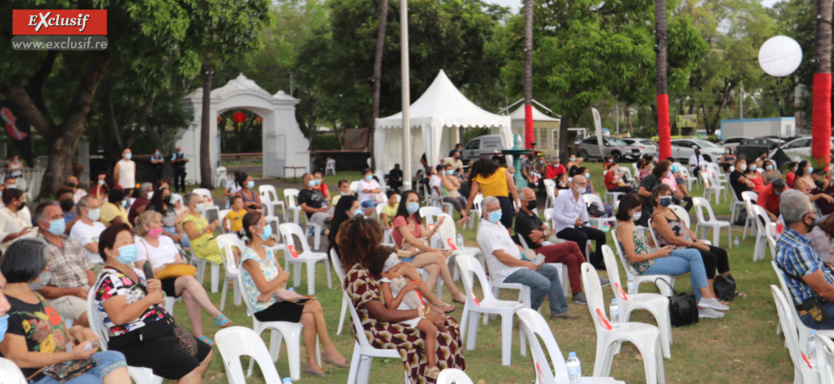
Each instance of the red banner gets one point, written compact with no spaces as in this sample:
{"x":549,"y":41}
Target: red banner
{"x":664,"y":133}
{"x":529,"y":136}
{"x":821,"y":120}
{"x":55,"y":22}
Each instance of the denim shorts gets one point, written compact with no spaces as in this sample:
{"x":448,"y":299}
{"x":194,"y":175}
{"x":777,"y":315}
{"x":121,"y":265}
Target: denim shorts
{"x":107,"y":362}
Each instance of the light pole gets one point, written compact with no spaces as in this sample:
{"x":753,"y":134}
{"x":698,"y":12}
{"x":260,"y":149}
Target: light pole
{"x":405,"y":94}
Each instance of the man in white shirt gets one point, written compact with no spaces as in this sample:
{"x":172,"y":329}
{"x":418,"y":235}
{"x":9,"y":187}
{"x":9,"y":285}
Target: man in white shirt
{"x":506,"y":265}
{"x":696,"y":161}
{"x":435,"y":182}
{"x":87,"y":230}
{"x":570,"y":221}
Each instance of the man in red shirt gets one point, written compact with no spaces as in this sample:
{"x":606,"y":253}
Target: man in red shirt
{"x":612,"y":180}
{"x":769,"y":198}
{"x":554,"y":170}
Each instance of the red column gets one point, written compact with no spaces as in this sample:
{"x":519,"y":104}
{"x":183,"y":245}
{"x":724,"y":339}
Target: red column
{"x":529,"y":135}
{"x":821,"y":120}
{"x":664,"y":135}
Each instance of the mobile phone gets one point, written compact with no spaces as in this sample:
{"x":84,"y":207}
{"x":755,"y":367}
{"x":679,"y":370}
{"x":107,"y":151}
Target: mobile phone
{"x":91,"y":346}
{"x":148,"y":270}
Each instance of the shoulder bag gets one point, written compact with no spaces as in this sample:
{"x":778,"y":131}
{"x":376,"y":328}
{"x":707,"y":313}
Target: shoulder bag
{"x":683,"y":308}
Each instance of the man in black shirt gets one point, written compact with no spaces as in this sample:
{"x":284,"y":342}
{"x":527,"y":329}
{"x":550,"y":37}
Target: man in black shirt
{"x":530,"y":228}
{"x":395,"y":178}
{"x":312,"y":202}
{"x":738,"y":181}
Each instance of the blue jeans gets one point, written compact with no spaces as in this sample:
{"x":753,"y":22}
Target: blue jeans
{"x":368,"y":204}
{"x":173,"y":230}
{"x":545,"y":281}
{"x":107,"y":362}
{"x":827,"y":323}
{"x":681,"y":261}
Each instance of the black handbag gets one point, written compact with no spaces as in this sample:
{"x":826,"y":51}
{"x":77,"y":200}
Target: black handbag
{"x":595,"y":211}
{"x":725,"y":287}
{"x":683,"y":308}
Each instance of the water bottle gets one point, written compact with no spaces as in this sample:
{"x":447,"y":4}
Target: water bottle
{"x":735,"y":242}
{"x":812,"y":348}
{"x":460,"y":240}
{"x":291,"y":289}
{"x":574,"y":369}
{"x":632,"y":288}
{"x":614,"y":311}
{"x":287,"y":380}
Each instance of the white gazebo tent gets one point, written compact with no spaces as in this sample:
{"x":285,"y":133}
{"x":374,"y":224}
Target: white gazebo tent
{"x":434,"y":118}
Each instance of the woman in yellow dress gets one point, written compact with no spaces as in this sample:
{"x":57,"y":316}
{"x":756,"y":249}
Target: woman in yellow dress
{"x":200,"y":232}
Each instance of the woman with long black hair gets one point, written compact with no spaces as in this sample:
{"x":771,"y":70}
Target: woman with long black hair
{"x":491,"y":179}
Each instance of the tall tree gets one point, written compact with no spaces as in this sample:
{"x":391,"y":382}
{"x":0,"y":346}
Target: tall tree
{"x":529,"y":136}
{"x":821,"y":128}
{"x":380,"y":45}
{"x":663,"y":127}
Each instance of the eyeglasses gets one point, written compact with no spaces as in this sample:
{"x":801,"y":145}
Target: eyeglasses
{"x":261,"y":225}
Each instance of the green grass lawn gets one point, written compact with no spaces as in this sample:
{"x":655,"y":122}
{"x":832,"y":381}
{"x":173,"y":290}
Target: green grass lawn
{"x":742,"y":347}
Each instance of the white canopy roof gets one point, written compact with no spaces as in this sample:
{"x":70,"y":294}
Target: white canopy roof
{"x":518,"y":114}
{"x":441,"y":106}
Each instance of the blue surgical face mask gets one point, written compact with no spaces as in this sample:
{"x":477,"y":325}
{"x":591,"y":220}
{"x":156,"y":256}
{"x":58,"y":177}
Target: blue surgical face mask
{"x":57,"y":226}
{"x":318,"y":181}
{"x":311,"y":183}
{"x":124,"y":203}
{"x":101,"y":182}
{"x":358,"y":212}
{"x":588,"y":175}
{"x":94,"y":214}
{"x":810,"y":170}
{"x":412,"y":207}
{"x":494,"y":216}
{"x":4,"y":326}
{"x":127,"y":254}
{"x":250,"y":184}
{"x":267,"y":233}
{"x":128,"y":156}
{"x":369,"y":177}
{"x":768,"y":167}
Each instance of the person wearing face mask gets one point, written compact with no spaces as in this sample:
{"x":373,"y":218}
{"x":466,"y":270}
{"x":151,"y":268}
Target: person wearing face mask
{"x":769,"y":198}
{"x":449,"y":187}
{"x":200,"y":233}
{"x":154,"y":247}
{"x":790,"y":177}
{"x":130,"y":308}
{"x":536,"y":234}
{"x":454,"y":160}
{"x":573,"y":164}
{"x":395,"y":178}
{"x":114,"y":211}
{"x":344,"y":190}
{"x":15,"y":221}
{"x":179,"y":159}
{"x":232,"y":187}
{"x":346,"y":209}
{"x":8,"y":368}
{"x":251,"y":199}
{"x":613,"y":180}
{"x":727,"y":159}
{"x":100,"y":189}
{"x":368,"y":187}
{"x":72,"y":271}
{"x":265,"y":287}
{"x":410,"y":234}
{"x":140,"y":204}
{"x":809,"y":282}
{"x":554,"y":170}
{"x":753,"y":175}
{"x":125,"y":171}
{"x":503,"y":257}
{"x":157,"y":166}
{"x":770,"y":173}
{"x":585,"y":172}
{"x":490,"y":179}
{"x":313,"y":203}
{"x":36,"y":337}
{"x":88,"y":229}
{"x":386,"y":217}
{"x":696,"y":161}
{"x":321,"y":186}
{"x":162,"y":202}
{"x":648,"y":260}
{"x":64,"y":195}
{"x":675,"y":185}
{"x":671,"y":230}
{"x":77,"y":193}
{"x":570,"y":221}
{"x":738,"y":181}
{"x":16,"y":168}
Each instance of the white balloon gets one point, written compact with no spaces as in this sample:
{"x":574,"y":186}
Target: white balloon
{"x":780,"y":56}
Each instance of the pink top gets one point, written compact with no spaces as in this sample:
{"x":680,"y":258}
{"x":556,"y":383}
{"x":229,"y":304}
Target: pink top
{"x":671,"y":182}
{"x":398,"y":237}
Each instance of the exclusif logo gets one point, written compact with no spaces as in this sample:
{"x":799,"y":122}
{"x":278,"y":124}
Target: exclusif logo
{"x":58,"y":22}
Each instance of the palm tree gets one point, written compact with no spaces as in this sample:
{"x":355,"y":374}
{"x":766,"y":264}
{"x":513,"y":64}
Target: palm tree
{"x":821,"y":123}
{"x":380,"y":44}
{"x":529,"y":137}
{"x":663,"y":129}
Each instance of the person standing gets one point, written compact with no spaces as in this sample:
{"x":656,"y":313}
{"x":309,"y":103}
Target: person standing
{"x":157,"y":166}
{"x":179,"y":160}
{"x":125,"y":171}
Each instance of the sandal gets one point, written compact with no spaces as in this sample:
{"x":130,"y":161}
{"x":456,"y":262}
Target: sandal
{"x":309,"y":371}
{"x":206,"y":340}
{"x":222,"y":321}
{"x":739,"y":295}
{"x":441,"y":306}
{"x":433,"y":373}
{"x":344,"y":364}
{"x":461,"y":298}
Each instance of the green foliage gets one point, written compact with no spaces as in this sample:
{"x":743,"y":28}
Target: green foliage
{"x":473,"y":133}
{"x":326,"y":142}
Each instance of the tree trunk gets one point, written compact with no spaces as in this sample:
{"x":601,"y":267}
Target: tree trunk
{"x":663,"y":128}
{"x":205,"y":129}
{"x":529,"y":135}
{"x":627,"y":113}
{"x":564,"y":152}
{"x":821,"y":112}
{"x":380,"y":45}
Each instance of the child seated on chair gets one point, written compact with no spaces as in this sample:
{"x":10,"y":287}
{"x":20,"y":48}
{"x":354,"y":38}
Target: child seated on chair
{"x":402,"y":295}
{"x":389,"y":211}
{"x":233,"y":221}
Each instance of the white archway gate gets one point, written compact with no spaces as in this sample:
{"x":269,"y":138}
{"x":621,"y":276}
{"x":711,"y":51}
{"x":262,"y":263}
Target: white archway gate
{"x":284,"y":145}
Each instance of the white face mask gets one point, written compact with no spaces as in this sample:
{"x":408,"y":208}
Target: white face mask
{"x":636,"y":216}
{"x":581,"y":190}
{"x":742,"y":167}
{"x":199,"y":207}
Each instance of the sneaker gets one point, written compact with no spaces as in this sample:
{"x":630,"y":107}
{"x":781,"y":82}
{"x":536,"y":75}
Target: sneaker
{"x":565,"y":316}
{"x":713,"y":304}
{"x":604,"y":282}
{"x":579,"y":298}
{"x":709,"y":313}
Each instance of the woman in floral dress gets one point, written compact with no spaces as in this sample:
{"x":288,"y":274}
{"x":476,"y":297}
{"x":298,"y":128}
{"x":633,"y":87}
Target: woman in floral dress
{"x":357,"y":241}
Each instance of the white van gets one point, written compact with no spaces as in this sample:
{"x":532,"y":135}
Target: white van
{"x":483,"y":146}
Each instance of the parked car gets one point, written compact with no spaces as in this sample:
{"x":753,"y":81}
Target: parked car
{"x":683,"y":149}
{"x":617,"y":148}
{"x":800,"y":148}
{"x":647,"y":147}
{"x":731,"y":143}
{"x":754,"y":147}
{"x":483,"y":146}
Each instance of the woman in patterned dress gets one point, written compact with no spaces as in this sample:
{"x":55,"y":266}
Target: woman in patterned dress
{"x":358,"y":238}
{"x":264,"y":285}
{"x":647,"y":260}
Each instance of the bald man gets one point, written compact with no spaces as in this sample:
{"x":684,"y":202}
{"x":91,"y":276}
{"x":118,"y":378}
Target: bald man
{"x":570,"y":221}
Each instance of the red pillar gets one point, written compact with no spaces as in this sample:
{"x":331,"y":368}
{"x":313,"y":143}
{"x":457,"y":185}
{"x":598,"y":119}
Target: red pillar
{"x":664,"y":135}
{"x":529,"y":135}
{"x":821,"y":120}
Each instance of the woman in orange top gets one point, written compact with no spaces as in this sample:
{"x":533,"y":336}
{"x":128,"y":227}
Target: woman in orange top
{"x":491,"y":179}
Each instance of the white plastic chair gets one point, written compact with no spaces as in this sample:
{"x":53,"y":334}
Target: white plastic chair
{"x":279,"y":330}
{"x":488,"y":306}
{"x":644,"y":336}
{"x":227,"y":243}
{"x":269,"y":198}
{"x":561,"y":270}
{"x":140,"y":375}
{"x":448,"y":238}
{"x":330,"y":167}
{"x":657,"y":305}
{"x":550,"y":190}
{"x":430,"y":215}
{"x":235,"y":342}
{"x":535,"y":325}
{"x":453,"y":376}
{"x":353,"y":187}
{"x":640,"y":279}
{"x":716,"y":225}
{"x":201,"y":269}
{"x":336,"y":262}
{"x":825,"y":359}
{"x":804,"y":330}
{"x":475,"y":213}
{"x":291,"y":195}
{"x":598,"y":222}
{"x":712,"y":187}
{"x":687,"y":177}
{"x":762,"y":222}
{"x":682,"y":213}
{"x":736,"y":205}
{"x":749,"y":198}
{"x":221,"y":216}
{"x":802,"y":372}
{"x":305,"y":256}
{"x":11,"y":374}
{"x":206,"y":194}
